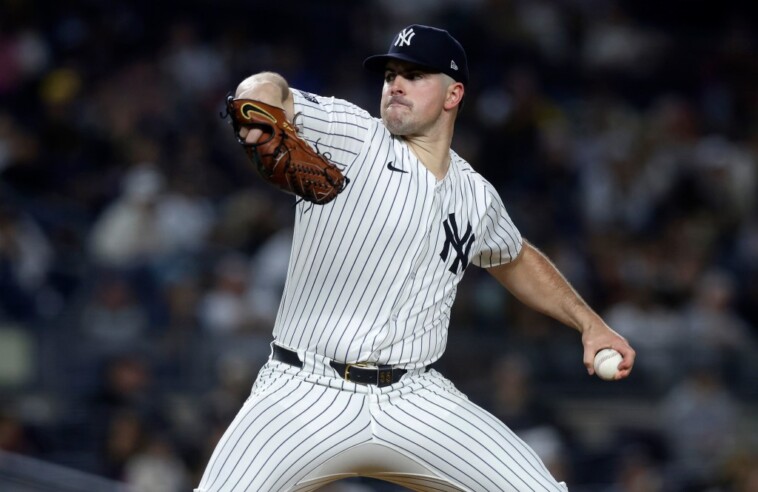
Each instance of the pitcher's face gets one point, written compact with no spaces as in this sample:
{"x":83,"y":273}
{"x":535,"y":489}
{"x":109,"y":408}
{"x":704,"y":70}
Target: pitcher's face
{"x":412,"y":98}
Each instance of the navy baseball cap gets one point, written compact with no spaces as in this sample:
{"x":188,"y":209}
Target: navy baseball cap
{"x":429,"y":47}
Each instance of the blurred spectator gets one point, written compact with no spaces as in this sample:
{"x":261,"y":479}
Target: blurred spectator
{"x":547,"y":26}
{"x":713,"y":329}
{"x":183,"y":219}
{"x":613,"y":41}
{"x":127,"y":234}
{"x":126,"y":385}
{"x":154,"y":226}
{"x":621,"y":188}
{"x":181,"y":332}
{"x":710,"y":317}
{"x":268,"y":272}
{"x":655,"y":330}
{"x":637,"y":471}
{"x":225,"y":309}
{"x":246,"y":219}
{"x":156,"y":468}
{"x":124,"y":411}
{"x":234,"y":377}
{"x":125,"y":435}
{"x":194,"y":66}
{"x":25,"y":258}
{"x":725,"y":178}
{"x":700,"y":420}
{"x":112,"y":316}
{"x":524,"y":412}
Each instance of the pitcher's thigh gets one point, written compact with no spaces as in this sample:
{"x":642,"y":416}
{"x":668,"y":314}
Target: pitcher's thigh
{"x":463,"y":443}
{"x":278,"y":436}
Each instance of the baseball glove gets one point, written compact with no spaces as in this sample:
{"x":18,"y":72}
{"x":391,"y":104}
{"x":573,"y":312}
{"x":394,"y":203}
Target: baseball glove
{"x":281,"y":156}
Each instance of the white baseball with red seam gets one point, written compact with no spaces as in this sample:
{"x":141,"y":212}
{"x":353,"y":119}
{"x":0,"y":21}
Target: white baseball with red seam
{"x":607,"y":363}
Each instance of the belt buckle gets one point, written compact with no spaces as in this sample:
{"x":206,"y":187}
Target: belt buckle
{"x":383,"y":373}
{"x":346,"y":376}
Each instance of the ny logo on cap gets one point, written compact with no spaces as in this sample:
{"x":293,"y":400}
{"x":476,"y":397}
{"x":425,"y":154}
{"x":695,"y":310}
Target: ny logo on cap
{"x":404,"y":37}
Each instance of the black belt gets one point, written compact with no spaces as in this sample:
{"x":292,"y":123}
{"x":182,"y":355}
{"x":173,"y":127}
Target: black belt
{"x":357,"y":373}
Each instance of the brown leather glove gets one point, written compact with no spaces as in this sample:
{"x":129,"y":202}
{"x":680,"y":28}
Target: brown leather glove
{"x":281,"y":156}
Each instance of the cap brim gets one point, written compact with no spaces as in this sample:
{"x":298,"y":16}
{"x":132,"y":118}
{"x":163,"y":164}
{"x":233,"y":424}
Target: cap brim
{"x":378,"y":63}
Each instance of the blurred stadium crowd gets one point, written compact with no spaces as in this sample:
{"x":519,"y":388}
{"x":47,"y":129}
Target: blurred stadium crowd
{"x":141,"y":258}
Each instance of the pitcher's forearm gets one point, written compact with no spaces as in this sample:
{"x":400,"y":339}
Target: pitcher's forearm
{"x":535,"y":281}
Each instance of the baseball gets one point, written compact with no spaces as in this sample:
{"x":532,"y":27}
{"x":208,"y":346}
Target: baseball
{"x":606,"y":363}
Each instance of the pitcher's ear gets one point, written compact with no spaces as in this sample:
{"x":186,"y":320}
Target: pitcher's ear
{"x":455,"y":94}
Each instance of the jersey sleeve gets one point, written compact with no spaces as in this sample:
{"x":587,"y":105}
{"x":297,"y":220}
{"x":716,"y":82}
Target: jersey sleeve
{"x":331,"y":125}
{"x":501,"y":240}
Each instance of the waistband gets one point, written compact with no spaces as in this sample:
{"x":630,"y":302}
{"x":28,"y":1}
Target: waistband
{"x":361,"y":373}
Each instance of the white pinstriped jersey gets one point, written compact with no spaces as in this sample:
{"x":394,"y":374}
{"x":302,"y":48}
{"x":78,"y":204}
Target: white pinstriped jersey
{"x":373,"y":274}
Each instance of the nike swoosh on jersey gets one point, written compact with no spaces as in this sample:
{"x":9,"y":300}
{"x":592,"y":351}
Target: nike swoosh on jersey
{"x":395,"y":169}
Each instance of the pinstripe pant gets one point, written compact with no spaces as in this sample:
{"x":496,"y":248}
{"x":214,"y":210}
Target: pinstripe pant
{"x":303,"y":428}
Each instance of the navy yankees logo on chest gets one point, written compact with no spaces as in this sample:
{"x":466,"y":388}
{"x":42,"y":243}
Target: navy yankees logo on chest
{"x":461,"y":245}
